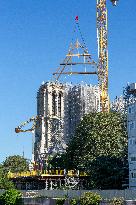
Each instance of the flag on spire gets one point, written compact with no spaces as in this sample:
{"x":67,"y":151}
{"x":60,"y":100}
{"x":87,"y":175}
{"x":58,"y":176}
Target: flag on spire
{"x":76,"y":18}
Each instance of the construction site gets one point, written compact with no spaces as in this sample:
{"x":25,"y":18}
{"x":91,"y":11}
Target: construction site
{"x":62,"y":105}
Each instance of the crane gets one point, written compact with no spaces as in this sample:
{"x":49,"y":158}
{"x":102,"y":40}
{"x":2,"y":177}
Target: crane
{"x":102,"y":39}
{"x":57,"y":142}
{"x":20,"y":127}
{"x":102,"y":64}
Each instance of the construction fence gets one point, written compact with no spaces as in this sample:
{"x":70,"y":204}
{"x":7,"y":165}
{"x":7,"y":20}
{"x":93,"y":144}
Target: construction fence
{"x":106,"y":194}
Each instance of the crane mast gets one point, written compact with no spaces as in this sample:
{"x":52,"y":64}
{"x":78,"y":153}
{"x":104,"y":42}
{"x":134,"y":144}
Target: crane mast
{"x":102,"y":54}
{"x":102,"y":39}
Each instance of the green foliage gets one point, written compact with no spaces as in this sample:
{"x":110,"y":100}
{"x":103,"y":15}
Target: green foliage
{"x":58,"y":161}
{"x":11,"y":197}
{"x":60,"y":201}
{"x":15,"y":163}
{"x":117,"y":201}
{"x":98,"y":134}
{"x":90,"y":198}
{"x":5,"y":183}
{"x":99,"y":147}
{"x":74,"y":201}
{"x":108,"y":172}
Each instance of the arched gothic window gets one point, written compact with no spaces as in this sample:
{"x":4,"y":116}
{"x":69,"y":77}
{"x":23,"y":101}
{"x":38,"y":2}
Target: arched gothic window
{"x":54,"y":110}
{"x":59,"y":105}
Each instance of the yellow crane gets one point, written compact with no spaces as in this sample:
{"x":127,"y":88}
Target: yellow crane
{"x":102,"y":64}
{"x":32,"y":119}
{"x":102,"y":39}
{"x":20,"y":129}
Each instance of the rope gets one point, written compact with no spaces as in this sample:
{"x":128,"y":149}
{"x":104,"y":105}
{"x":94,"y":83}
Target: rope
{"x":78,"y":25}
{"x":78,"y":29}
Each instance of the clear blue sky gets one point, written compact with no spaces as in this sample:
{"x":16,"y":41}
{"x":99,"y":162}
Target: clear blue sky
{"x":34,"y":38}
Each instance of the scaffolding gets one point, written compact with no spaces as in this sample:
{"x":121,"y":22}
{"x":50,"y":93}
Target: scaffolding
{"x":62,"y":106}
{"x":79,"y":100}
{"x":120,"y":104}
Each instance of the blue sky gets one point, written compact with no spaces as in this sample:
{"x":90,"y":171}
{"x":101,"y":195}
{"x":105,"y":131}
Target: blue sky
{"x":34,"y":38}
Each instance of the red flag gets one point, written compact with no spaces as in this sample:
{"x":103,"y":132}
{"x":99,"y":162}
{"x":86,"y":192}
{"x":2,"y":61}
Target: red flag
{"x":76,"y":18}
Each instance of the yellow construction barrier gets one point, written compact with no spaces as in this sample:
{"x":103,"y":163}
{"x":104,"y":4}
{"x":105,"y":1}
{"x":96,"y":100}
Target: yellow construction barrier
{"x":44,"y":173}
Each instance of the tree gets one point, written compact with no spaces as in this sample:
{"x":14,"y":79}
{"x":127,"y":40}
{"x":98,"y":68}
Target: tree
{"x":5,"y":183}
{"x":99,"y":147}
{"x":11,"y":197}
{"x":98,"y":134}
{"x":108,"y":172}
{"x":58,"y":161}
{"x":15,"y":163}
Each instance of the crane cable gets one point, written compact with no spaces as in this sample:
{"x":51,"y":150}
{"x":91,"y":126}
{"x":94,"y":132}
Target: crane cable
{"x":78,"y":29}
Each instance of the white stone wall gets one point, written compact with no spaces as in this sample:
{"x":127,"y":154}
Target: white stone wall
{"x":50,"y":128}
{"x":105,"y":194}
